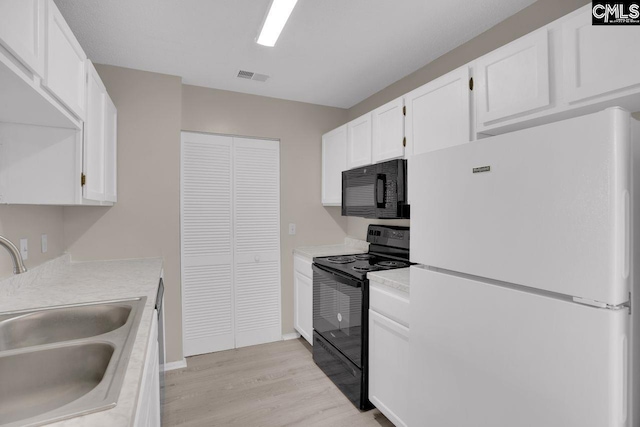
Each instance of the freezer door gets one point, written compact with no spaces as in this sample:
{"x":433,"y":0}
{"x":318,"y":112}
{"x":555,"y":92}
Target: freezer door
{"x":488,"y":356}
{"x":546,"y":207}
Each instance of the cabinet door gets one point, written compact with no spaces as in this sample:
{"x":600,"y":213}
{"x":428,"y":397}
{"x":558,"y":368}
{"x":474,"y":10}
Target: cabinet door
{"x":438,"y":113}
{"x":389,"y":367}
{"x":94,"y":137}
{"x":110,"y":151}
{"x":22,"y":31}
{"x":334,"y":161}
{"x":359,"y":142}
{"x":65,"y":63}
{"x":303,"y":313}
{"x":597,"y":59}
{"x":256,"y":216}
{"x":148,"y":409}
{"x":388,"y":131}
{"x":514,"y":79}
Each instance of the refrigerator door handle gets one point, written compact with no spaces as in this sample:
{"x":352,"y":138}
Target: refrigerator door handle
{"x":604,"y":305}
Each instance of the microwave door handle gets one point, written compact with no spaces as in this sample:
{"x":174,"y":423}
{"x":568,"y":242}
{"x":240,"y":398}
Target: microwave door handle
{"x":380,"y":190}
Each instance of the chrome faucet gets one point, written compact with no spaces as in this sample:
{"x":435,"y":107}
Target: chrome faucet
{"x":18,"y":263}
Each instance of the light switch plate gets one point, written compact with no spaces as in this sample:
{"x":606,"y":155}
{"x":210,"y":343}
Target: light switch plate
{"x":24,"y":249}
{"x":44,"y":243}
{"x":292,"y":229}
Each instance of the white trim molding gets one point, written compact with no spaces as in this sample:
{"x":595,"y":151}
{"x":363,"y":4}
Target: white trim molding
{"x":178,"y":364}
{"x":290,"y":336}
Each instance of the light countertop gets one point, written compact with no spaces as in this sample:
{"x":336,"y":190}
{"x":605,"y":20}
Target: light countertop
{"x":349,"y":246}
{"x":398,"y":279}
{"x":61,"y":282}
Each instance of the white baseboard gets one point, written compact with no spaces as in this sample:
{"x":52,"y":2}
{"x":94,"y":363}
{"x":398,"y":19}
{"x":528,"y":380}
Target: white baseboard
{"x":291,"y":336}
{"x":175,"y":365}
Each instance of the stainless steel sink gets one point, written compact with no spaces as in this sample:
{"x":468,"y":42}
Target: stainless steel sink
{"x":62,"y":324}
{"x":62,"y":362}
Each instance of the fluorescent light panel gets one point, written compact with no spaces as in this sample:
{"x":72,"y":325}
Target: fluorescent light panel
{"x":276,"y":19}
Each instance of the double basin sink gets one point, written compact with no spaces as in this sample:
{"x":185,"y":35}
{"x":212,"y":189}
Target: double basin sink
{"x":62,"y":362}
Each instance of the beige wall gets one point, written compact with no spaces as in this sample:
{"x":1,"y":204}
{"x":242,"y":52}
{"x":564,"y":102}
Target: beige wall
{"x":299,"y":128}
{"x":535,"y":16}
{"x":30,"y":222}
{"x":145,"y":221}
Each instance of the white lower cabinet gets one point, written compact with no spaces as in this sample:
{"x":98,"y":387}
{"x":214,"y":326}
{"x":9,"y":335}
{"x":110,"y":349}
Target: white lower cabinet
{"x":389,"y":353}
{"x":303,"y":297}
{"x":148,"y":409}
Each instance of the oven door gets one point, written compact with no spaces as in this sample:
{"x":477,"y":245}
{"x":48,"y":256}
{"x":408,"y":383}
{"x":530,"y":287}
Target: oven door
{"x":338,"y":312}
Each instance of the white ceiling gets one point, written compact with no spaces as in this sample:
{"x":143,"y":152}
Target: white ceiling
{"x":331,"y":52}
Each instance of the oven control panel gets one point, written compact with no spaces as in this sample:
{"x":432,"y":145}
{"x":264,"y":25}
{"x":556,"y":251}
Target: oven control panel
{"x":388,"y":235}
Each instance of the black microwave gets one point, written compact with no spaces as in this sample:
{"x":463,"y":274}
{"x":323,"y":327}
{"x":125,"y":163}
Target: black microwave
{"x":376,"y":191}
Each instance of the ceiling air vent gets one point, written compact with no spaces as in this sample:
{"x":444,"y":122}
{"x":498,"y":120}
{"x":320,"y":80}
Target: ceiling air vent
{"x":250,"y":75}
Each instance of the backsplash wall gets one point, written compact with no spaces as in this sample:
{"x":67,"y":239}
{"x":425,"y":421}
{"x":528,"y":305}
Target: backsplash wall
{"x":24,"y":221}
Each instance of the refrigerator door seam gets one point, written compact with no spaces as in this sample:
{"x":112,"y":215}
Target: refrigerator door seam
{"x":603,"y":305}
{"x":535,"y":291}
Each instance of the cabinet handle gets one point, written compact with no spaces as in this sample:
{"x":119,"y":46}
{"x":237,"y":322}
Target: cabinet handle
{"x":404,"y":141}
{"x":471,"y":83}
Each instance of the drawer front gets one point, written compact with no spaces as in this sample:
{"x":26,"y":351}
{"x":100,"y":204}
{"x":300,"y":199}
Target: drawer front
{"x":302,"y":265}
{"x":389,"y":302}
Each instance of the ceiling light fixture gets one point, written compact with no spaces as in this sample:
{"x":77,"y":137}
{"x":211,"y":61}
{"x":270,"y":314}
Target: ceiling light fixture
{"x":277,"y":17}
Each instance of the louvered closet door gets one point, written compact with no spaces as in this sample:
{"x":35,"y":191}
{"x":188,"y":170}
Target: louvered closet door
{"x":257,"y":241}
{"x":207,"y":239}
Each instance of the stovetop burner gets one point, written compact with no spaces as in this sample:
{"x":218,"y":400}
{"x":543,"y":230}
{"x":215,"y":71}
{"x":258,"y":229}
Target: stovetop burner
{"x":363,"y":256}
{"x":392,"y":264}
{"x":341,"y":259}
{"x":364,"y":268}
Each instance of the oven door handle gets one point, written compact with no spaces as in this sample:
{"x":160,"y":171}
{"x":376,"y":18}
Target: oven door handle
{"x":349,"y":281}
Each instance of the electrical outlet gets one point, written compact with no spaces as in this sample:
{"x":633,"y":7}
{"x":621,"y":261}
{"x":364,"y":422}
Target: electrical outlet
{"x":24,"y":249}
{"x":292,"y":229}
{"x":44,"y":243}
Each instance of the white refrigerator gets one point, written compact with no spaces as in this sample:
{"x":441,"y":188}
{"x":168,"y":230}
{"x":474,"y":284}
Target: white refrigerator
{"x":524,"y":312}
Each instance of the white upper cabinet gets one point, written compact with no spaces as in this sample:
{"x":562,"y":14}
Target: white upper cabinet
{"x":110,"y":151}
{"x":22,"y":32}
{"x":388,"y":131}
{"x":438,"y":113}
{"x":514,"y":79}
{"x":334,"y":162}
{"x":65,"y":63}
{"x":94,"y":137}
{"x":359,"y":142}
{"x":100,"y":142}
{"x":598,"y":59}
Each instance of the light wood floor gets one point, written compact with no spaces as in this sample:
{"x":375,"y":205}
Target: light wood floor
{"x":268,"y":385}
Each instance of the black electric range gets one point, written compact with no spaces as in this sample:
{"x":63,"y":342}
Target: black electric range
{"x":341,"y":306}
